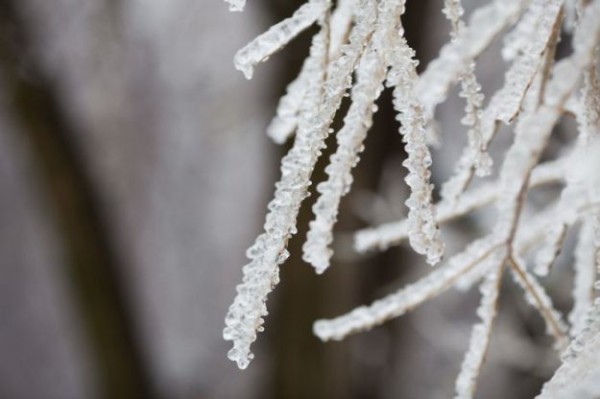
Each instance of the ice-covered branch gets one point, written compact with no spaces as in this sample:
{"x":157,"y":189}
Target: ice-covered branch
{"x":370,"y":77}
{"x":285,"y":122}
{"x":480,"y":335}
{"x":371,"y":73}
{"x":506,"y":103}
{"x":585,"y":276}
{"x":538,"y":298}
{"x":245,"y":316}
{"x":423,"y":232}
{"x":261,"y":48}
{"x":486,"y":24}
{"x":394,"y":305}
{"x":389,"y":234}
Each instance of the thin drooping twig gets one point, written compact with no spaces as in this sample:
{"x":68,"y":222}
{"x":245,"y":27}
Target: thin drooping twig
{"x":393,"y":233}
{"x":394,"y":305}
{"x":481,"y":333}
{"x":538,"y":298}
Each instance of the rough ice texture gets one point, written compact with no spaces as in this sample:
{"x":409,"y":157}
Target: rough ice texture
{"x":261,"y":48}
{"x":486,"y":23}
{"x":340,"y":22}
{"x":453,"y":10}
{"x":394,"y":305}
{"x":284,"y":124}
{"x":471,"y":92}
{"x":245,"y":316}
{"x":505,"y":104}
{"x":537,"y":92}
{"x":370,"y":77}
{"x":423,"y":232}
{"x":393,"y":233}
{"x":371,"y":73}
{"x":577,"y":377}
{"x":585,"y":276}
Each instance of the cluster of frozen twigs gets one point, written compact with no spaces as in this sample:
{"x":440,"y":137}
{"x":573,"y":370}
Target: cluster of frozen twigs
{"x":359,"y":49}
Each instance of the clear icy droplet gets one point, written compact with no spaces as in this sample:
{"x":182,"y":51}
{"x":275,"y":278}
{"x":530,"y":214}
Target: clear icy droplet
{"x":242,"y":361}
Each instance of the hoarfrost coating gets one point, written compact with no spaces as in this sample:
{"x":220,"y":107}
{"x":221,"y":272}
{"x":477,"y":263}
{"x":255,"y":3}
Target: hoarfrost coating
{"x":361,"y":47}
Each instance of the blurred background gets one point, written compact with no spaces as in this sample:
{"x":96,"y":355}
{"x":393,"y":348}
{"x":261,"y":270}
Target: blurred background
{"x":134,"y":173}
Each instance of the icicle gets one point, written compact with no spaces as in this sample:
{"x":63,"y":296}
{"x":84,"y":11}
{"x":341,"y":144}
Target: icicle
{"x":261,"y":48}
{"x":522,"y":72}
{"x":394,"y":305}
{"x":480,"y":335}
{"x":423,"y":232}
{"x":471,"y":92}
{"x":578,"y":376}
{"x":585,"y":385}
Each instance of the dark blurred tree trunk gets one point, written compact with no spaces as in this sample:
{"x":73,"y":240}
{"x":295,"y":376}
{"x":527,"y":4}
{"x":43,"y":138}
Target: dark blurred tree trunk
{"x":92,"y":266}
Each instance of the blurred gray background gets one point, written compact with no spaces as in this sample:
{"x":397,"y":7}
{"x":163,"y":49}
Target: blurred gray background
{"x":134,"y":173}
